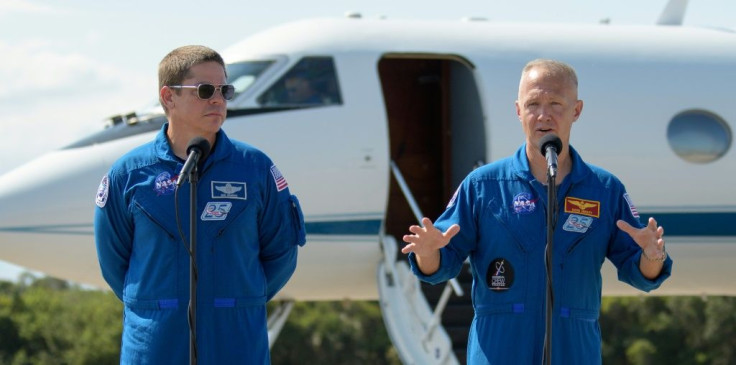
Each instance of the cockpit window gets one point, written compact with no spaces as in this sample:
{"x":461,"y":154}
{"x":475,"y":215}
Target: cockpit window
{"x":698,"y":136}
{"x":311,"y":82}
{"x":243,"y":74}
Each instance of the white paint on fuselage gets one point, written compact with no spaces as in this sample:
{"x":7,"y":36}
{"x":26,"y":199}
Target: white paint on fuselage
{"x":633,"y":80}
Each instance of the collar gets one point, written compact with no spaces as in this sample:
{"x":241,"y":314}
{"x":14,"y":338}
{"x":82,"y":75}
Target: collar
{"x":578,"y":172}
{"x":220,"y":150}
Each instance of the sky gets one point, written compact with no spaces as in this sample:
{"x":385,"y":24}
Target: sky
{"x":65,"y":66}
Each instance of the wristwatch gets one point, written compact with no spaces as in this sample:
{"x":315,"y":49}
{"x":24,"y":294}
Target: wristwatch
{"x":661,"y":258}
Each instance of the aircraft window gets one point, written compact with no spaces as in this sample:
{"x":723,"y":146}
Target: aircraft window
{"x":698,"y":136}
{"x":311,"y":82}
{"x":243,"y":74}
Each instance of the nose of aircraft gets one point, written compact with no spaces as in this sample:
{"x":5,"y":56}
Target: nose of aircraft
{"x":46,"y":213}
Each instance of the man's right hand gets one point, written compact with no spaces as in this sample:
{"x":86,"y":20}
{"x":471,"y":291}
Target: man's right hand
{"x":426,"y":242}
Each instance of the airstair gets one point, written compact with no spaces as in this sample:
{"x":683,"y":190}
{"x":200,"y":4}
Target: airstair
{"x":428,"y":324}
{"x":276,"y":320}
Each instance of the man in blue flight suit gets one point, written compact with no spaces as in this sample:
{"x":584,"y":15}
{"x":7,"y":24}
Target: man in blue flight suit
{"x":249,"y":228}
{"x":497,"y":218}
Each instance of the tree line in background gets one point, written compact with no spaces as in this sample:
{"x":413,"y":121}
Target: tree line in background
{"x":48,"y":321}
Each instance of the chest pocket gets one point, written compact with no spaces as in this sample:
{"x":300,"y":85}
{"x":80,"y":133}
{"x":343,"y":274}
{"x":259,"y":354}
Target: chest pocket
{"x":503,"y":224}
{"x":154,"y":260}
{"x":582,"y":235}
{"x":503,"y":259}
{"x":579,"y":254}
{"x":158,"y":209}
{"x":217,"y":215}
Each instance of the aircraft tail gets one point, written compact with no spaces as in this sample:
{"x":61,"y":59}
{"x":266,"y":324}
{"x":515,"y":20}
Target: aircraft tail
{"x":674,"y":13}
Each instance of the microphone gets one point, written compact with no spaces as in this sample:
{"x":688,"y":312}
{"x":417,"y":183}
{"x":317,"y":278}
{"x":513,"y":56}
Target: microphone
{"x":197,"y":150}
{"x":551,"y":146}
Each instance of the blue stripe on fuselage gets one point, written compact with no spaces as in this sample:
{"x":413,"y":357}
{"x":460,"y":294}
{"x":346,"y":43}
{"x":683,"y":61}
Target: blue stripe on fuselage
{"x":355,"y":227}
{"x":695,"y":224}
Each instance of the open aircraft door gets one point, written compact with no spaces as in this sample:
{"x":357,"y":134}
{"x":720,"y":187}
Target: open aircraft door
{"x":437,"y":136}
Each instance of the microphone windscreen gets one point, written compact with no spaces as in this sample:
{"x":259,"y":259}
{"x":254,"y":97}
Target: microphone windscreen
{"x":202,"y":145}
{"x":550,"y":140}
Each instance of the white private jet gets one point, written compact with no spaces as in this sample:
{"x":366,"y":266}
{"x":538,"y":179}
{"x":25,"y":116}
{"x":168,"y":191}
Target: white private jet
{"x":404,"y":110}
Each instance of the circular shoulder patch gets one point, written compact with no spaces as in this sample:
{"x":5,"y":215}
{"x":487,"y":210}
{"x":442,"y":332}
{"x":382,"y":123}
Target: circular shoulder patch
{"x":500,"y":275}
{"x":102,"y":192}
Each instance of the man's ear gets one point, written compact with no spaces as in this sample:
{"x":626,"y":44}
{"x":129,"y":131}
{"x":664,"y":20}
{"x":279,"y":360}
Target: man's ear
{"x":518,"y":110}
{"x":578,"y":109}
{"x":166,"y":97}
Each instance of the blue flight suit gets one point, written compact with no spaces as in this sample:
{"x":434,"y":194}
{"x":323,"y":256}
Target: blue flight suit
{"x":248,"y":229}
{"x":501,"y":210}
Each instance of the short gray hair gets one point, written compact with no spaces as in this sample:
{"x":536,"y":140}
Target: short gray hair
{"x":552,"y":68}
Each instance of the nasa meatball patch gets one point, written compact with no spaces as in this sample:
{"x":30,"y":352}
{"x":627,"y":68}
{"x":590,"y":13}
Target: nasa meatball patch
{"x":165,"y":184}
{"x":524,"y":203}
{"x":102,"y":192}
{"x":500,"y":275}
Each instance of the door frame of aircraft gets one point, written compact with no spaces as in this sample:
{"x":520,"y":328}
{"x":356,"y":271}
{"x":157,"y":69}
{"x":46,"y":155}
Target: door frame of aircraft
{"x":436,"y":130}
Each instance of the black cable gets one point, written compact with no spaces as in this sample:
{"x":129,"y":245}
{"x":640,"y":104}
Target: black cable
{"x":194,"y":273}
{"x":549,"y":250}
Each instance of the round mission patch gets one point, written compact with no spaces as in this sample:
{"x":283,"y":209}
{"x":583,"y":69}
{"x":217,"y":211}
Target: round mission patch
{"x":500,"y":275}
{"x":102,"y":192}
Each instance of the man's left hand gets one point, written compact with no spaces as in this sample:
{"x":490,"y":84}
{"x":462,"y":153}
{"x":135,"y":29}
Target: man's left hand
{"x":648,"y":238}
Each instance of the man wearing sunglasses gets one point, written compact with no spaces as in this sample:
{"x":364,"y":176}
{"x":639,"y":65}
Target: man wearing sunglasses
{"x":248,"y":228}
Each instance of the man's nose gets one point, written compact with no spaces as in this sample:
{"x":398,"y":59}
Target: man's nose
{"x":217,"y":98}
{"x":544,"y":114}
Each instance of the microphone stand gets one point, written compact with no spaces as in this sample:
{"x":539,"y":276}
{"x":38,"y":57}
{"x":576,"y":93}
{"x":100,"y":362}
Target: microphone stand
{"x":193,"y":180}
{"x":551,"y":221}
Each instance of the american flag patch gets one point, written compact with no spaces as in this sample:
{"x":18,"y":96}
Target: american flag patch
{"x":281,"y":183}
{"x":634,"y":212}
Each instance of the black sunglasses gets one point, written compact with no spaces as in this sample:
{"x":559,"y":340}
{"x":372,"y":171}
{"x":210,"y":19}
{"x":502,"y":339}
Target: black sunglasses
{"x":207,"y":91}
